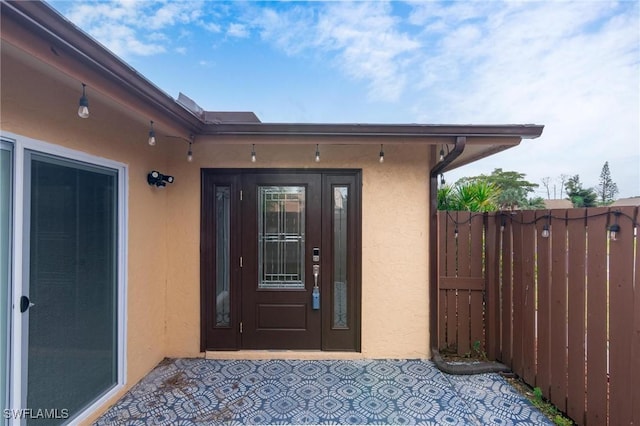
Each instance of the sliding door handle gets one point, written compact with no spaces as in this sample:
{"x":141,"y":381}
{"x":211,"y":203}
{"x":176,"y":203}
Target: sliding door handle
{"x":25,"y":304}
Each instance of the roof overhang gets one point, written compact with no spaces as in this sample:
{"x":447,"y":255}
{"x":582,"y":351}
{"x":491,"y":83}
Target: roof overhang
{"x":481,"y":140}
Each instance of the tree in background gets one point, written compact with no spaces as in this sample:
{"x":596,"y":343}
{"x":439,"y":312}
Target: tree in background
{"x":546,"y":182}
{"x":468,"y":196}
{"x":535,"y":203}
{"x":579,"y":196}
{"x":607,"y":189}
{"x":512,"y":186}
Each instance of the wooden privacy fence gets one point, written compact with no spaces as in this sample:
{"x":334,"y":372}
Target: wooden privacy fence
{"x":561,"y":303}
{"x":461,"y":281}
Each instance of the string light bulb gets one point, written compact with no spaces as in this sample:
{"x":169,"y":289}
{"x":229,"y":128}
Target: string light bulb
{"x":381,"y":154}
{"x":152,"y":134}
{"x":441,"y":154}
{"x":442,"y":181}
{"x":614,"y":229}
{"x":317,"y":153}
{"x":545,"y":231}
{"x":190,"y":153}
{"x":455,"y":232}
{"x":83,"y":104}
{"x":253,"y":153}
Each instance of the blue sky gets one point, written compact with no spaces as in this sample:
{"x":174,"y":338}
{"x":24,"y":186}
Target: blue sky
{"x":572,"y":66}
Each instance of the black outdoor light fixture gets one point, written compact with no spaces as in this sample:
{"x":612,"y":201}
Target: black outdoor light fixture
{"x":152,"y":135}
{"x":158,"y":179}
{"x":614,"y":229}
{"x":83,"y":104}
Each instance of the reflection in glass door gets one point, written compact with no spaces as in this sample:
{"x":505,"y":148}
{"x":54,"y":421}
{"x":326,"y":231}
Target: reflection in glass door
{"x":6,"y":171}
{"x":71,"y":280}
{"x":281,"y":235}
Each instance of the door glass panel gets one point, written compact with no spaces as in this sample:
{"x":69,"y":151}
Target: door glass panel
{"x":281,"y":237}
{"x":72,"y":280}
{"x":340,"y":204}
{"x":6,"y":168}
{"x":223,"y":249}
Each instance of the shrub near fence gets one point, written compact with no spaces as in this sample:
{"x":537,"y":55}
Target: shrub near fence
{"x":561,"y":302}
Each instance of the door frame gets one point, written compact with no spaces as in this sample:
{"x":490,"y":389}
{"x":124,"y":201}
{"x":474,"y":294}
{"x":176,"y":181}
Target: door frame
{"x":230,"y":338}
{"x":20,"y":257}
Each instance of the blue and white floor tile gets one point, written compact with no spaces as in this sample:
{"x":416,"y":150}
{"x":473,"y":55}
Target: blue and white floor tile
{"x":278,"y":392}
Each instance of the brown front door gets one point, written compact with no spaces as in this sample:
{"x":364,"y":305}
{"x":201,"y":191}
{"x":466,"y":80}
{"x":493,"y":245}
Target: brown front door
{"x":282,"y":226}
{"x":280,"y":259}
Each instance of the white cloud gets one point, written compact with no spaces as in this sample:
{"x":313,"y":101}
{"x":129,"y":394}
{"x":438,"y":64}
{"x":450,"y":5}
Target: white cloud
{"x":571,"y":66}
{"x":364,"y":37}
{"x":129,"y":27}
{"x":237,"y":30}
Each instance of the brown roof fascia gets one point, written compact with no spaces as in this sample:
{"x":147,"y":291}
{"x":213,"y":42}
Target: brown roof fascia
{"x":526,"y":131}
{"x":41,"y":19}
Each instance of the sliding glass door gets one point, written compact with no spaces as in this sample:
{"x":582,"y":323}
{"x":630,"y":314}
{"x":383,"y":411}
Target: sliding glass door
{"x":70,"y":284}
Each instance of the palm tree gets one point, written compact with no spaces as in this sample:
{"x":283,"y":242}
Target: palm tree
{"x":476,"y":196}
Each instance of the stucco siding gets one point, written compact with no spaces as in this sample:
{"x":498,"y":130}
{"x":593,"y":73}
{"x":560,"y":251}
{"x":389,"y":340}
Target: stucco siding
{"x":43,"y":110}
{"x":394,"y":238}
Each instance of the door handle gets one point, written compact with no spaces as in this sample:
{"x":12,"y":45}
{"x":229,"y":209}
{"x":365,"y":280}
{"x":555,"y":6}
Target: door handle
{"x":316,"y":272}
{"x":315,"y":294}
{"x":25,"y":304}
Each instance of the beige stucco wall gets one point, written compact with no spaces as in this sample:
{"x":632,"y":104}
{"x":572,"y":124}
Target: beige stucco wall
{"x":394,"y":239}
{"x":163,"y":281}
{"x":46,"y":111}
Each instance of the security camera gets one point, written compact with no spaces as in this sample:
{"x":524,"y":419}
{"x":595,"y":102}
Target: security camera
{"x":158,"y":179}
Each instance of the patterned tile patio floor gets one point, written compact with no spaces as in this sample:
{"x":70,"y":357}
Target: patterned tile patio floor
{"x":397,"y":392}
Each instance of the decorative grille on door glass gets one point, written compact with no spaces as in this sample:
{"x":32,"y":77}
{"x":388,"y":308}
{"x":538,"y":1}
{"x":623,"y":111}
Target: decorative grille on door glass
{"x":281,"y":237}
{"x":340,"y":205}
{"x":223,"y":249}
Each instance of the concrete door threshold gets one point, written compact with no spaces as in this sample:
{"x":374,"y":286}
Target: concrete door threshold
{"x":284,"y":355}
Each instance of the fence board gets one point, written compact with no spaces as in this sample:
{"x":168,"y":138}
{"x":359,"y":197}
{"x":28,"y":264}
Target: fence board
{"x":492,"y":292}
{"x":442,"y":271}
{"x":461,"y":283}
{"x":464,"y":261}
{"x":464,"y":270}
{"x":452,"y":318}
{"x":507,"y":286}
{"x":596,"y":319}
{"x":442,"y":319}
{"x":463,"y":322}
{"x":518,"y":297}
{"x":477,"y":320}
{"x":576,"y":397}
{"x":558,"y":317}
{"x":452,"y":250}
{"x":529,"y":236}
{"x":477,"y":245}
{"x":544,"y":294}
{"x":620,"y":328}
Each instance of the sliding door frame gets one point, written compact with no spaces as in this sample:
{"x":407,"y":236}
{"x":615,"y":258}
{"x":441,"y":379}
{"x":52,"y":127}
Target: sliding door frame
{"x":17,"y":377}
